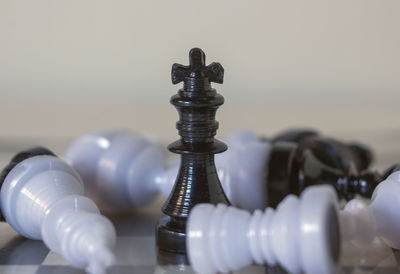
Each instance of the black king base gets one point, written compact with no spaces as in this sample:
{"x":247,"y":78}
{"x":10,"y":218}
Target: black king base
{"x":197,"y":180}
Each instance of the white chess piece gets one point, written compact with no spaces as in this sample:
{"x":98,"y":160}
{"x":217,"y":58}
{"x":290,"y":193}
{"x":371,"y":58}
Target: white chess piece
{"x":121,"y":167}
{"x":302,"y":235}
{"x":42,"y":199}
{"x":129,"y":170}
{"x":361,"y":222}
{"x":242,"y":170}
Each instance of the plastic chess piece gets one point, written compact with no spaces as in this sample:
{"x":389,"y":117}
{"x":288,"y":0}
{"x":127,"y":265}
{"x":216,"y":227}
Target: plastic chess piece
{"x":197,"y":180}
{"x":301,"y":235}
{"x":362,"y":222}
{"x":270,"y":169}
{"x":42,"y":199}
{"x":122,"y":168}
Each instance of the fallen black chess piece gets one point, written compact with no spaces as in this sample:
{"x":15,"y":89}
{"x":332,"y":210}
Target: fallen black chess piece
{"x":293,"y":160}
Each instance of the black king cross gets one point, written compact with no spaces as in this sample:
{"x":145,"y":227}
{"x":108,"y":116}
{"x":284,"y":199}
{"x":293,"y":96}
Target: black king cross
{"x":197,"y":69}
{"x":197,"y":180}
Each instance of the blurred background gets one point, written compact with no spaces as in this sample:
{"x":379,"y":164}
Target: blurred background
{"x":71,"y":67}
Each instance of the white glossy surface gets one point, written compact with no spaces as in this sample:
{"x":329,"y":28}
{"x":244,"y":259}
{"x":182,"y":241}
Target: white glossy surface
{"x":83,"y":154}
{"x":223,"y":239}
{"x":381,"y":218}
{"x":42,"y":198}
{"x":125,"y":169}
{"x":242,"y":170}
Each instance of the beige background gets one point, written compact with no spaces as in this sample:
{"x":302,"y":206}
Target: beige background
{"x":68,"y":67}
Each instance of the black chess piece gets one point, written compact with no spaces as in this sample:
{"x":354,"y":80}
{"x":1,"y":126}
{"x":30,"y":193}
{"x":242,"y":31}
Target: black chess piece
{"x":301,"y":158}
{"x":197,"y":180}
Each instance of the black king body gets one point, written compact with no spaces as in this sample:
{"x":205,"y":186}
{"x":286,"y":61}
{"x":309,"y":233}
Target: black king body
{"x":197,"y":180}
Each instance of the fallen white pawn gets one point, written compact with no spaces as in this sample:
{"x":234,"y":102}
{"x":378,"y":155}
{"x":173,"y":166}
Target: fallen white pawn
{"x":42,"y":199}
{"x":303,"y":234}
{"x":121,"y":168}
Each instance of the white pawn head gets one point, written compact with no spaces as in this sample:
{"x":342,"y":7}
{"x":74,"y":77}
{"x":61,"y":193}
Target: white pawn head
{"x":302,"y":235}
{"x":85,"y":152}
{"x":121,"y":167}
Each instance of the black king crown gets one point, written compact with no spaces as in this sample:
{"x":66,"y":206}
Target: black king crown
{"x":197,"y":180}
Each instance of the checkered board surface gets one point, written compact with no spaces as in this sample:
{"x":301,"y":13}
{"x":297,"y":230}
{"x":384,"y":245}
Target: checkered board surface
{"x":136,"y":251}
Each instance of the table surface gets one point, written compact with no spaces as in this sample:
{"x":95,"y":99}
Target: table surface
{"x":136,"y":251}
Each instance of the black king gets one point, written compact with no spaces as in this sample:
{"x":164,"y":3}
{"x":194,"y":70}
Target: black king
{"x":197,"y":180}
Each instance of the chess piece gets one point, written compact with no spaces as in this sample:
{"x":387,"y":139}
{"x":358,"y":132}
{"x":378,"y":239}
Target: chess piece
{"x":122,"y":168}
{"x":302,"y":235}
{"x":363,"y":222}
{"x":270,"y":169}
{"x":42,"y":199}
{"x":197,"y":180}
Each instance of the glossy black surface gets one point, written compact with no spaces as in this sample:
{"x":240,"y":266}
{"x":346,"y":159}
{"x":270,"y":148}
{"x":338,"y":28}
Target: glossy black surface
{"x":300,"y":158}
{"x":197,"y":180}
{"x":18,"y":158}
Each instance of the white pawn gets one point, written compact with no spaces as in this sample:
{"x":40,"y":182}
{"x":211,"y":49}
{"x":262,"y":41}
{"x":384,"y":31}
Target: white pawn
{"x":42,"y":199}
{"x":122,"y":168}
{"x":302,"y":235}
{"x":129,"y":170}
{"x":361,"y":222}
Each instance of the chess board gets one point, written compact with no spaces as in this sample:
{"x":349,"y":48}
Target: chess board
{"x":136,"y":251}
